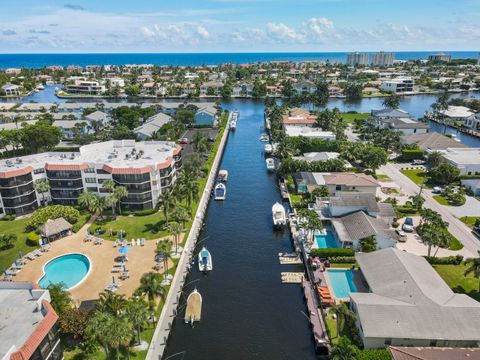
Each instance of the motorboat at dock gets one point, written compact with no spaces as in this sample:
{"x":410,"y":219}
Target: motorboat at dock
{"x":279,"y":215}
{"x":223,"y":175}
{"x":220,"y":192}
{"x":270,"y":162}
{"x":268,"y":148}
{"x":264,"y":138}
{"x":193,"y":311}
{"x":205,"y":260}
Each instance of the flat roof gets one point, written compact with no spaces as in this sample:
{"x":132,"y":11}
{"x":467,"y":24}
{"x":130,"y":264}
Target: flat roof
{"x":462,"y":155}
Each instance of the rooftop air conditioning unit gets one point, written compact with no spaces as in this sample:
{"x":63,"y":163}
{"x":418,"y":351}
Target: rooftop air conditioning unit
{"x":18,"y":160}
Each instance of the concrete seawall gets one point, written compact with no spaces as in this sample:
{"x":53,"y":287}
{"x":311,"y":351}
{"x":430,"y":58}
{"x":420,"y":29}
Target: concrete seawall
{"x":169,"y":311}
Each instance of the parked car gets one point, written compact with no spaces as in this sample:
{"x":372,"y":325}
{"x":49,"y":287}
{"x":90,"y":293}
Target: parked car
{"x":402,"y":235}
{"x":476,"y":231}
{"x":408,"y":225}
{"x":418,"y":162}
{"x":183,"y":141}
{"x":437,"y":190}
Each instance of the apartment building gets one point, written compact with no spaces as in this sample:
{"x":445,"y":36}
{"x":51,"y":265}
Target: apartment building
{"x":401,"y":85}
{"x":356,"y":59}
{"x":383,"y":59}
{"x":85,"y":87}
{"x":146,"y":169}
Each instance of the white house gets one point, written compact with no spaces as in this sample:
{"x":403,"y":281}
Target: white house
{"x":11,"y":89}
{"x":304,"y":87}
{"x":309,"y":132}
{"x":401,"y":85}
{"x":473,"y":185}
{"x":457,"y":113}
{"x":399,"y":120}
{"x":473,"y":122}
{"x":152,"y":125}
{"x":336,"y":182}
{"x":98,"y":115}
{"x":410,"y":305}
{"x":465,"y":159}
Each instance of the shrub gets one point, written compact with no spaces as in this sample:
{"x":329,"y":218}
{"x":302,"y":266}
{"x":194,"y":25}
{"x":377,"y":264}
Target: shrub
{"x":331,"y":252}
{"x":409,"y":155}
{"x":145,"y":212}
{"x":41,"y":215}
{"x":9,"y":217}
{"x":342,"y":260}
{"x":77,"y":226}
{"x":381,"y":354}
{"x":395,"y":224}
{"x":66,"y":149}
{"x":449,"y":260}
{"x":406,"y":210}
{"x":33,"y":238}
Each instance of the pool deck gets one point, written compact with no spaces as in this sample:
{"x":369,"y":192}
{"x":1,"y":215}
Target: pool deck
{"x":141,"y":259}
{"x":321,"y":277}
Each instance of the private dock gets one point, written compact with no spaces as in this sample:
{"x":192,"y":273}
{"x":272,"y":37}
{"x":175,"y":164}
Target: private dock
{"x":289,"y":260}
{"x":292,"y":277}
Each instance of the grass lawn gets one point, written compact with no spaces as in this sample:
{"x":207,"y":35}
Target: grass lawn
{"x":350,"y":118}
{"x":453,"y":276}
{"x":455,"y":244}
{"x":470,"y":220}
{"x":332,"y":330}
{"x":441,"y":200}
{"x":418,"y":176}
{"x":382,"y":177}
{"x":17,"y":227}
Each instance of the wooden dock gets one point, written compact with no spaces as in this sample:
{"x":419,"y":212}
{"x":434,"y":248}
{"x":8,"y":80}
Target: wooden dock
{"x":292,"y":277}
{"x":288,"y":260}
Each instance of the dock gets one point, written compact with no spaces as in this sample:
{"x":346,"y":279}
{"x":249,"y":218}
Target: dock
{"x":316,"y":321}
{"x":292,"y":277}
{"x":289,"y":260}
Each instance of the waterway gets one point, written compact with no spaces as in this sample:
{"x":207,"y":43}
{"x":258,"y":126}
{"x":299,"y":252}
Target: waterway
{"x":247,"y":312}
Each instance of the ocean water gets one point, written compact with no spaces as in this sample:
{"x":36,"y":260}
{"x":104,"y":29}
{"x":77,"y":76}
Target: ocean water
{"x":191,"y":59}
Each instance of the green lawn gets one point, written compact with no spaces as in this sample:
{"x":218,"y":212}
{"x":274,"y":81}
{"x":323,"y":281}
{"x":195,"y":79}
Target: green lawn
{"x":455,"y":244}
{"x":441,"y":200}
{"x":14,"y":227}
{"x":418,"y":176}
{"x":453,"y":276}
{"x":332,"y":330}
{"x":382,"y":177}
{"x":470,"y":220}
{"x":350,"y":118}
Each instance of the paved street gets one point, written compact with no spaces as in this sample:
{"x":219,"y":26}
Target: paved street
{"x":458,"y":229}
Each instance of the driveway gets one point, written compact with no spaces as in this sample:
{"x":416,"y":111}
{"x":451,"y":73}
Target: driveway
{"x":458,"y":229}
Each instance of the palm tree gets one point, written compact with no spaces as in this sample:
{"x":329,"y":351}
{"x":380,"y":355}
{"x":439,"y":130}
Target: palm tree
{"x":191,"y":188}
{"x":60,"y":298}
{"x":182,"y":214}
{"x":120,"y":193}
{"x":176,"y":230}
{"x":344,"y":350}
{"x":138,"y":313}
{"x":151,"y":285}
{"x":99,"y":204}
{"x":42,"y":186}
{"x":86,"y":200}
{"x":97,"y":327}
{"x":164,"y":248}
{"x":108,"y":185}
{"x":119,"y":334}
{"x":417,"y":201}
{"x":111,"y":201}
{"x":111,"y":303}
{"x":474,"y":268}
{"x":167,"y":200}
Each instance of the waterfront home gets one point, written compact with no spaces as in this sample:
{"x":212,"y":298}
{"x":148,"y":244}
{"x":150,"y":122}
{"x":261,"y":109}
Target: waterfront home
{"x":304,"y":87}
{"x":7,"y":106}
{"x":456,"y":113}
{"x":351,"y":228}
{"x":100,"y":116}
{"x":12,"y":89}
{"x":317,"y":156}
{"x":147,"y":169}
{"x":242,"y":89}
{"x":206,"y":116}
{"x":308,"y":132}
{"x":152,"y":125}
{"x":335,"y":182}
{"x":472,"y":185}
{"x":33,"y":107}
{"x":299,"y":117}
{"x":410,"y":305}
{"x":28,"y":323}
{"x":473,"y":122}
{"x":398,"y":120}
{"x":75,"y":107}
{"x":68,"y":127}
{"x":432,"y":353}
{"x":84,"y":87}
{"x":432,"y":141}
{"x":400,"y":85}
{"x":467,"y":160}
{"x":211,"y":88}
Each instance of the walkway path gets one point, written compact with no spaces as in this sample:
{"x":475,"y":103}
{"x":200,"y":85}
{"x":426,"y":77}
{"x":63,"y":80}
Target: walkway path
{"x":457,"y":228}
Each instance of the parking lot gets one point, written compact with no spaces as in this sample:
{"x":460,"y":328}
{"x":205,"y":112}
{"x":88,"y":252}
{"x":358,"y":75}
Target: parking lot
{"x":189,"y":134}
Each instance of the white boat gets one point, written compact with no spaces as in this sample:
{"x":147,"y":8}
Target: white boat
{"x":278,"y":215}
{"x":233,"y":124}
{"x":270,"y":164}
{"x":205,"y":260}
{"x":220,"y":192}
{"x":40,"y":87}
{"x":455,"y":137}
{"x":50,"y":83}
{"x":268,"y":148}
{"x":223,"y":174}
{"x":264,"y":137}
{"x":193,"y":311}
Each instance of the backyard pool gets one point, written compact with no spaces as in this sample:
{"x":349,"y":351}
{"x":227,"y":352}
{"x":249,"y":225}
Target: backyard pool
{"x":342,"y":282}
{"x":70,"y":269}
{"x":326,"y":240}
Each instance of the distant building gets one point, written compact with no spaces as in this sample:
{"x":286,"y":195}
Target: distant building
{"x":28,"y":323}
{"x":383,"y":59}
{"x":473,"y":122}
{"x":398,"y":120}
{"x":432,"y":141}
{"x":457,"y":113}
{"x":67,"y":127}
{"x":11,"y":89}
{"x":467,"y":160}
{"x":440,"y":57}
{"x":304,"y":87}
{"x":401,"y":85}
{"x":356,"y":59}
{"x":85,"y":87}
{"x":152,"y":125}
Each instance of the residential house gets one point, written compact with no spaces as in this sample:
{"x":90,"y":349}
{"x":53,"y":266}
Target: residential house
{"x":410,"y":305}
{"x":152,"y":125}
{"x":28,"y":323}
{"x":473,"y":122}
{"x":335,"y":182}
{"x":457,"y":113}
{"x":432,"y":353}
{"x":242,"y":89}
{"x":317,"y":156}
{"x":211,"y":88}
{"x":85,"y":87}
{"x":308,"y":132}
{"x":472,"y":185}
{"x":398,"y":120}
{"x":432,"y":141}
{"x":12,"y":89}
{"x":299,"y":117}
{"x":401,"y":85}
{"x":206,"y":116}
{"x":67,"y":127}
{"x":465,"y":159}
{"x":101,"y":116}
{"x":304,"y":87}
{"x":41,"y":107}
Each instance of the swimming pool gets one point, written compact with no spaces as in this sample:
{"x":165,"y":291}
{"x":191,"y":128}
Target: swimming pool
{"x":69,"y":269}
{"x":326,"y":240}
{"x":342,"y":282}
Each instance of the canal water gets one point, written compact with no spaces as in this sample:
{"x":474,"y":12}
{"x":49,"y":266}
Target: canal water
{"x":247,"y":312}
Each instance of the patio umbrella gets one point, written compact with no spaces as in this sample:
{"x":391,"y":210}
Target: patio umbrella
{"x":16,"y":263}
{"x":113,"y":280}
{"x":124,"y":268}
{"x":20,"y":255}
{"x":124,"y":250}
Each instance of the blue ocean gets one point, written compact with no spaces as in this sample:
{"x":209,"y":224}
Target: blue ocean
{"x":190,"y":59}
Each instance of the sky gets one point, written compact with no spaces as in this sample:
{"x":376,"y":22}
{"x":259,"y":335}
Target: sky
{"x":159,"y":26}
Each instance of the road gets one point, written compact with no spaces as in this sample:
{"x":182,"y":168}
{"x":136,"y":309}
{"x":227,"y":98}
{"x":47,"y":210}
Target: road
{"x":457,"y":228}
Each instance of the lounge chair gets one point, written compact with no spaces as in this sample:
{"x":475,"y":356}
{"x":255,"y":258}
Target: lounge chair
{"x":46,"y":248}
{"x":30,"y":256}
{"x":16,"y":266}
{"x":7,"y":278}
{"x":11,"y":272}
{"x":116,"y":243}
{"x":124,"y":275}
{"x":133,"y":242}
{"x":138,"y":242}
{"x":37,"y":253}
{"x":142,"y":242}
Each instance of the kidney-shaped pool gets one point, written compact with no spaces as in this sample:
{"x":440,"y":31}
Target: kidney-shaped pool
{"x":69,"y":269}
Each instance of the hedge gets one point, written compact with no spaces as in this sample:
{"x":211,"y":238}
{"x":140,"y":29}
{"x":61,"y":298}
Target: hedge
{"x":9,"y":217}
{"x":406,"y":210}
{"x":33,"y":238}
{"x":412,"y":154}
{"x":467,"y":177}
{"x":332,"y":252}
{"x":342,"y":260}
{"x":66,"y":149}
{"x":40,"y":216}
{"x":449,"y":260}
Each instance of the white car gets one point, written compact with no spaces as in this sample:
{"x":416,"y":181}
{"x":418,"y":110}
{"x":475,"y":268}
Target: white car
{"x":437,"y":189}
{"x":408,"y":225}
{"x":402,"y":235}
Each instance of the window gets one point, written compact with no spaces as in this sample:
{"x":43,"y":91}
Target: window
{"x":91,"y":180}
{"x":433,"y":342}
{"x":388,"y":341}
{"x":338,"y":187}
{"x":89,"y":170}
{"x":101,"y":171}
{"x":92,"y":189}
{"x":39,"y":171}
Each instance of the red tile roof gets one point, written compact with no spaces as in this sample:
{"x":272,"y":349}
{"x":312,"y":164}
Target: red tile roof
{"x":165,"y":164}
{"x":16,"y":172}
{"x":127,"y":171}
{"x":178,"y":150}
{"x":72,"y":167}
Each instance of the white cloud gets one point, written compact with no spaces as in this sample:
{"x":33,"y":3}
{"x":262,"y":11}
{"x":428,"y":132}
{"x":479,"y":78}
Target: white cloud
{"x":203,"y":32}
